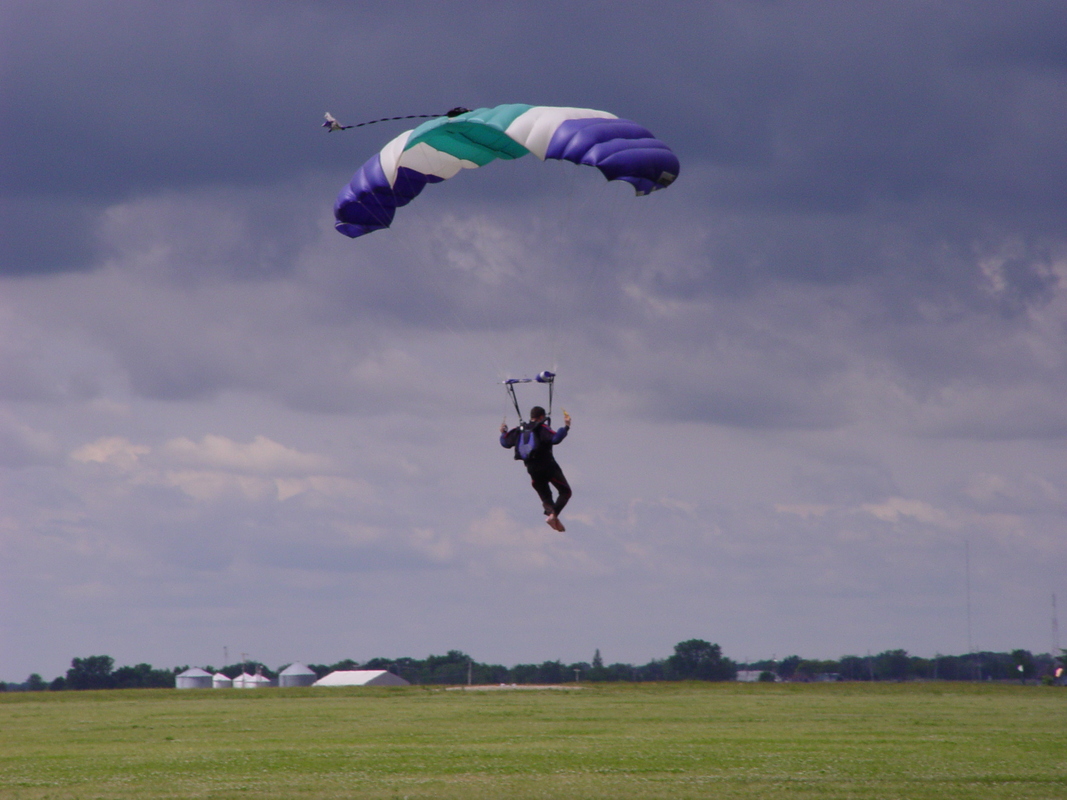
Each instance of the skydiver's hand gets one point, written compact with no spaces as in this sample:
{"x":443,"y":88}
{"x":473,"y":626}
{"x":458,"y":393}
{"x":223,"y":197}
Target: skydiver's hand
{"x":504,"y":426}
{"x":566,"y":419}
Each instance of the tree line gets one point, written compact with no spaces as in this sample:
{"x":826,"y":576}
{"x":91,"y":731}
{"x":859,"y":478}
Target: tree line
{"x":897,"y":665}
{"x":694,"y":659}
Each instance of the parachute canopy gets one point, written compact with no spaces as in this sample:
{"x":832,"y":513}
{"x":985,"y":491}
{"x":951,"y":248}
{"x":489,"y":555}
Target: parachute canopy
{"x":440,"y":148}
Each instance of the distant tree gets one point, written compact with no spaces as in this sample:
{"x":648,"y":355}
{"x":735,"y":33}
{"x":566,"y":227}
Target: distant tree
{"x":814,"y":669}
{"x":142,"y":676}
{"x":767,"y":676}
{"x":35,"y":683}
{"x":322,"y":670}
{"x":552,"y":672}
{"x":766,"y":665}
{"x":93,"y":672}
{"x":853,"y":668}
{"x":249,"y":667}
{"x":523,"y":673}
{"x":622,"y":672}
{"x":1024,"y":659}
{"x":654,"y":670}
{"x":921,"y":667}
{"x":491,"y":673}
{"x":700,"y":660}
{"x":597,"y":671}
{"x":892,"y":665}
{"x":450,"y":668}
{"x":788,"y":666}
{"x":58,"y":685}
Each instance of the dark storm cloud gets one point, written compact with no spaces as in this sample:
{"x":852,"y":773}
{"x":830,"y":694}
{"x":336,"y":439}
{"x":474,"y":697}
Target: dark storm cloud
{"x":827,"y":108}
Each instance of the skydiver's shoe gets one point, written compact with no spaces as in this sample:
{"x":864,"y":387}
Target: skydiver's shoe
{"x":555,"y":524}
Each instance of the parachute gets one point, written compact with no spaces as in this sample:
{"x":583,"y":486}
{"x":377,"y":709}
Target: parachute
{"x":438,"y":149}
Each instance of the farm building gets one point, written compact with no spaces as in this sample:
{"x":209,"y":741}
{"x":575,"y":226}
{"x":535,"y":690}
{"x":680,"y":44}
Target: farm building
{"x":220,"y":681}
{"x":361,"y":677}
{"x":296,"y":675}
{"x":753,"y":675}
{"x":193,"y":678}
{"x":246,"y":681}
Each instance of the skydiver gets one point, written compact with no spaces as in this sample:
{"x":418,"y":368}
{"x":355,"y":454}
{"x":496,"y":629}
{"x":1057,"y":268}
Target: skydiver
{"x":540,"y":463}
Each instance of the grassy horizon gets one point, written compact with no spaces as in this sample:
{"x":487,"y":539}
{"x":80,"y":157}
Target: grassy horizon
{"x":677,"y":740}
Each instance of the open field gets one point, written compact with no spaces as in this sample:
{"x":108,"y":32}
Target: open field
{"x":931,"y":740}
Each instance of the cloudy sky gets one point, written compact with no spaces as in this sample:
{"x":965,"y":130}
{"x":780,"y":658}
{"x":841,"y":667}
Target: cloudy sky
{"x":810,"y":382}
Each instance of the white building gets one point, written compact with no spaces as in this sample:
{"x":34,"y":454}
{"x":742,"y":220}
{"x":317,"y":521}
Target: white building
{"x":361,"y":677}
{"x":751,"y":675}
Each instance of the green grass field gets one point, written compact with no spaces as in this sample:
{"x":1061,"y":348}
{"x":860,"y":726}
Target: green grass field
{"x":690,"y":740}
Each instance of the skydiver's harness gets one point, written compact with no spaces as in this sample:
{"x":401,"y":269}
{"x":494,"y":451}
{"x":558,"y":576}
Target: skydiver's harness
{"x":528,"y":438}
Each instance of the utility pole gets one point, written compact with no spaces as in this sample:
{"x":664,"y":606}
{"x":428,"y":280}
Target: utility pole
{"x":967,"y":570}
{"x":1055,"y":628}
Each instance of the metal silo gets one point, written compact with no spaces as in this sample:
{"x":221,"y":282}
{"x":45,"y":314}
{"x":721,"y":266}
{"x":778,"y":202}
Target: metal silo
{"x":193,"y":678}
{"x":296,"y":675}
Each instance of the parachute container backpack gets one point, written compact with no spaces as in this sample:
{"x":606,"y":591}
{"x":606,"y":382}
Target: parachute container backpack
{"x":439,"y":148}
{"x":527,"y":444}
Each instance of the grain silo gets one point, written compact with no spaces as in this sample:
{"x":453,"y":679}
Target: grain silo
{"x":296,"y":675}
{"x":193,"y":678}
{"x":247,"y":681}
{"x":220,"y":681}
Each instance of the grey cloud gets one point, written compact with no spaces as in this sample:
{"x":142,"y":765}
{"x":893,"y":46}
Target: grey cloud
{"x":800,"y":376}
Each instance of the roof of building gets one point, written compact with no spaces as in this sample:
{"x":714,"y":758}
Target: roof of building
{"x":361,"y":677}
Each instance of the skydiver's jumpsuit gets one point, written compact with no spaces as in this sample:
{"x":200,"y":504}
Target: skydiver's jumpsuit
{"x":542,"y":466}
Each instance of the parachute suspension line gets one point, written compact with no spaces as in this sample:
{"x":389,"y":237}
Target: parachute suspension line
{"x":332,"y":124}
{"x":515,"y":400}
{"x":392,"y":119}
{"x":542,"y":377}
{"x":414,"y":241}
{"x":630,"y":153}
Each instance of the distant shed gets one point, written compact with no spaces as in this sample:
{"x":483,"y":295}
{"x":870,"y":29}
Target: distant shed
{"x":296,"y":675}
{"x":193,"y":678}
{"x":220,"y":681}
{"x":361,"y":677}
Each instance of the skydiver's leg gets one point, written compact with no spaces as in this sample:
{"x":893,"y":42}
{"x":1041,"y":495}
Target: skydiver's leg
{"x":563,"y":490}
{"x":540,"y":482}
